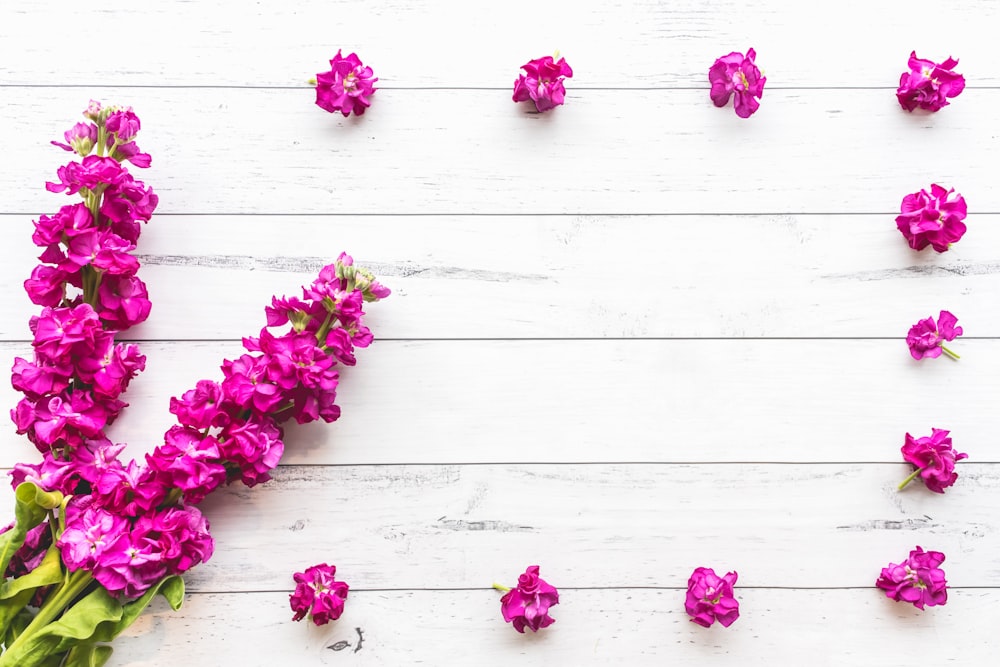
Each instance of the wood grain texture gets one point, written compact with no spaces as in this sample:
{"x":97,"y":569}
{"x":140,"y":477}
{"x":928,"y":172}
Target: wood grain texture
{"x":438,"y":527}
{"x":601,"y":401}
{"x":572,"y":276}
{"x":459,"y":44}
{"x":661,"y":151}
{"x":606,"y":627}
{"x":627,"y":338}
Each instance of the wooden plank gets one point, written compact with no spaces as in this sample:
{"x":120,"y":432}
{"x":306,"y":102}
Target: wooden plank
{"x":574,"y":276}
{"x":457,"y":44}
{"x":613,"y":627}
{"x":600,"y":401}
{"x":665,"y":151}
{"x":405,"y":527}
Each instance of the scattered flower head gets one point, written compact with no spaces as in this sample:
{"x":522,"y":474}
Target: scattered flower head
{"x":318,"y":595}
{"x":932,"y":218}
{"x":918,"y":580}
{"x":542,"y":82}
{"x":710,"y":598}
{"x":736,"y":74}
{"x":926,"y":338}
{"x":346,"y":87}
{"x":527,"y":604}
{"x":928,"y":85}
{"x":934,"y":457}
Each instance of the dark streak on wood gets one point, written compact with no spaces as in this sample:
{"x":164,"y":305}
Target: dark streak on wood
{"x":498,"y":526}
{"x":889,"y":524}
{"x":314,"y":264}
{"x":976,"y":269}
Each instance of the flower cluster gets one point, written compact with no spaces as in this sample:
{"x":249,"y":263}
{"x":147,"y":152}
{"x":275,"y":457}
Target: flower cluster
{"x":527,"y":604}
{"x":918,"y":580}
{"x":932,"y":218}
{"x":926,"y":338}
{"x":928,"y":85}
{"x":710,"y":598}
{"x":318,"y":595}
{"x":126,"y":531}
{"x":346,"y":87}
{"x":542,"y":82}
{"x":934,"y":458}
{"x":737,"y":76}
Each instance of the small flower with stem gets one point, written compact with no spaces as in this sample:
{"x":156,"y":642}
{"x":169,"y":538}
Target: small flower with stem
{"x":934,"y":458}
{"x":926,"y":338}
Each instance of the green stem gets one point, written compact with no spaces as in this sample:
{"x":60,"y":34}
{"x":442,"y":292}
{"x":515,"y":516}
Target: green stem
{"x":909,"y":479}
{"x":500,"y":587}
{"x":950,"y":353}
{"x":324,"y":330}
{"x":57,"y":602}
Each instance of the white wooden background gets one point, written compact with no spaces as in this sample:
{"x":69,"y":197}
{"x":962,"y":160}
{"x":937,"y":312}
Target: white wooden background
{"x":627,"y":338}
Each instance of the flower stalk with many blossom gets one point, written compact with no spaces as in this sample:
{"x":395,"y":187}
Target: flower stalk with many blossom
{"x":95,"y":539}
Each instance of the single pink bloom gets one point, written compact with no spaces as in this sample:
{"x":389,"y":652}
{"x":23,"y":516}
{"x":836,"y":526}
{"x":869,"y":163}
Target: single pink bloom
{"x":542,"y":82}
{"x":346,"y":87}
{"x":710,"y":598}
{"x":932,"y":218}
{"x":918,"y":580}
{"x":928,"y":85}
{"x":934,"y":458}
{"x":926,"y":338}
{"x":318,"y":595}
{"x":527,"y":604}
{"x":737,"y":75}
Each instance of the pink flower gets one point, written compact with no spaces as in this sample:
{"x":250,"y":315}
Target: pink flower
{"x":542,"y":82}
{"x":710,"y":598}
{"x":80,"y":139}
{"x":934,"y":458}
{"x":736,"y":74}
{"x":933,"y":218}
{"x":919,"y":580}
{"x":926,"y":338}
{"x":346,"y":87}
{"x":527,"y":604}
{"x":928,"y":85}
{"x":318,"y":595}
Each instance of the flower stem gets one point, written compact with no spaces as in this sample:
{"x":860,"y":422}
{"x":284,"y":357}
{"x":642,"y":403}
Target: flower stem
{"x":57,"y":602}
{"x":909,"y":479}
{"x":950,"y":353}
{"x":501,"y":588}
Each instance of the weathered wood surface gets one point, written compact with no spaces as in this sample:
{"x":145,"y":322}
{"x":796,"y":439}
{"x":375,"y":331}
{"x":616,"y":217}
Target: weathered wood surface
{"x":605,"y":401}
{"x":223,"y":150}
{"x":627,"y":338}
{"x":458,"y":44}
{"x":817,"y":276}
{"x":593,"y":627}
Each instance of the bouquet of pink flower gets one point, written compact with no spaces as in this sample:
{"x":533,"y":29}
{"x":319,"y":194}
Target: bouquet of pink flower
{"x":94,"y":539}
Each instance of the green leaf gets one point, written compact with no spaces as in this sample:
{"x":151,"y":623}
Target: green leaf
{"x":98,"y":617}
{"x":76,"y":626}
{"x":31,"y":506}
{"x":48,"y":572}
{"x":10,"y":609}
{"x":87,"y":655}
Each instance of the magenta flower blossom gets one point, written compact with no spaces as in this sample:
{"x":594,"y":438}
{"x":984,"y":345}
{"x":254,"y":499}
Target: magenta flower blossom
{"x":926,"y":339}
{"x":928,"y":85}
{"x":934,"y":458}
{"x":79,"y":139}
{"x":919,"y":580}
{"x":736,"y":74}
{"x":346,"y":87}
{"x":932,"y":218}
{"x":527,"y":605}
{"x":542,"y":82}
{"x":318,"y":595}
{"x":710,"y":598}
